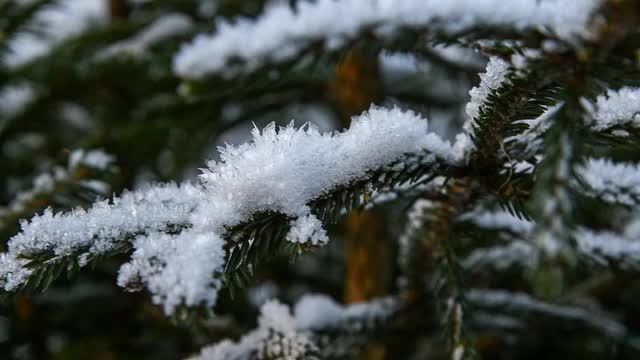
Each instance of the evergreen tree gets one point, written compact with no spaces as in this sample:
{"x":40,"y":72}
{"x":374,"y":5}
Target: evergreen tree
{"x":506,"y":226}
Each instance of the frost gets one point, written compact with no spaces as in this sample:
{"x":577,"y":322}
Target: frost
{"x":102,"y":228}
{"x":275,"y":338}
{"x":46,"y":182}
{"x":283,"y":170}
{"x":617,"y":108}
{"x":281,"y":32}
{"x":13,"y":272}
{"x":307,"y":228}
{"x":177,"y":232}
{"x":162,"y":28}
{"x":415,"y":224}
{"x":51,"y":26}
{"x":531,"y":140}
{"x":613,"y":183}
{"x":490,"y":80}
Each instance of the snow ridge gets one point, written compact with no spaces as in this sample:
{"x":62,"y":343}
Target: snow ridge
{"x":281,"y":32}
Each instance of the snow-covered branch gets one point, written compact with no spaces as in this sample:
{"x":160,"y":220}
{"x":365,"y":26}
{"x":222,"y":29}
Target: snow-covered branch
{"x":612,"y":182}
{"x":319,"y":328}
{"x":281,"y":171}
{"x":522,"y":304}
{"x":74,"y":175}
{"x":605,"y":248}
{"x":619,"y":108}
{"x":282,"y":32}
{"x":52,"y":25}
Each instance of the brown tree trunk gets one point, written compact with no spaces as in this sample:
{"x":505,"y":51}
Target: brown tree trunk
{"x":367,"y":246}
{"x":119,"y":9}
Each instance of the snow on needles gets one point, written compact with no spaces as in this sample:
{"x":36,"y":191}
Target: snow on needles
{"x":283,"y":335}
{"x":177,"y":232}
{"x":617,"y":108}
{"x":52,"y":25}
{"x":613,"y":183}
{"x":283,"y":170}
{"x":281,"y":32}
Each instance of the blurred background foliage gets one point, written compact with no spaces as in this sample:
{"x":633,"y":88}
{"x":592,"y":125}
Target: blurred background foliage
{"x":134,"y":108}
{"x":158,"y":128}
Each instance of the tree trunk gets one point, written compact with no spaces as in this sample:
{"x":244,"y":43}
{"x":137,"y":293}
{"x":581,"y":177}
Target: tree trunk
{"x":367,"y":246}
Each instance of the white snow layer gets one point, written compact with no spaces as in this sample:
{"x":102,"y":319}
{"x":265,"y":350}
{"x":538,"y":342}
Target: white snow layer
{"x":612,"y":182}
{"x":617,"y":108}
{"x":283,"y":335}
{"x":14,"y":99}
{"x":281,"y":170}
{"x":490,"y":80}
{"x":603,"y":248}
{"x":281,"y":31}
{"x":46,"y":182}
{"x":51,"y":26}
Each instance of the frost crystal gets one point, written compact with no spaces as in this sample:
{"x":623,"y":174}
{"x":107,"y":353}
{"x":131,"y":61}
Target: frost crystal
{"x":100,"y":229}
{"x":281,"y":32}
{"x":490,"y":80}
{"x":177,"y":270}
{"x":617,"y":108}
{"x":283,"y":170}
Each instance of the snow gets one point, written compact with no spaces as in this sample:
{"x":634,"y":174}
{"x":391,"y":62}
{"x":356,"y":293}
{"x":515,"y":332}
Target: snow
{"x":281,"y":32}
{"x":284,"y":170}
{"x":178,"y":270}
{"x":609,"y":248}
{"x":490,"y":80}
{"x":283,"y":335}
{"x":498,"y":220}
{"x":165,"y":27}
{"x":51,"y":26}
{"x":617,"y":108}
{"x":307,"y":228}
{"x":96,"y":159}
{"x":531,"y":140}
{"x":46,"y":182}
{"x":413,"y":227}
{"x":501,"y":258}
{"x":92,"y":232}
{"x":321,"y":312}
{"x":281,"y":170}
{"x":275,"y":338}
{"x":14,"y":99}
{"x":612,"y":182}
